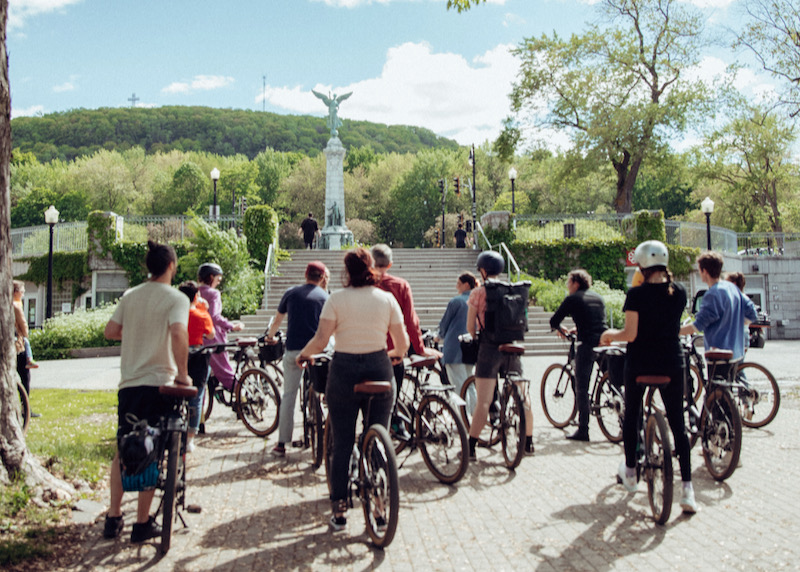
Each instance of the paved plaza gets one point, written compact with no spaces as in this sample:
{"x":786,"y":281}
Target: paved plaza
{"x":560,"y":510}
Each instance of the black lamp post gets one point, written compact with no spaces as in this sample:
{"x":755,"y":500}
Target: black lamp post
{"x":215,"y":178}
{"x":512,"y":175}
{"x":707,"y":206}
{"x":51,"y":218}
{"x":474,"y":205}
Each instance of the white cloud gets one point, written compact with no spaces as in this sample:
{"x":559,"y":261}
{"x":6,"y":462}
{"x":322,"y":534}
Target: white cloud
{"x":66,"y":86}
{"x":33,"y":110}
{"x":352,"y":3}
{"x":445,"y":92}
{"x":199,"y":83}
{"x":21,"y":10}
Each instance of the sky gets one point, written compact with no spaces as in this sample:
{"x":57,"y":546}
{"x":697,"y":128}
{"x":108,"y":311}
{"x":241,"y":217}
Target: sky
{"x":407,"y":62}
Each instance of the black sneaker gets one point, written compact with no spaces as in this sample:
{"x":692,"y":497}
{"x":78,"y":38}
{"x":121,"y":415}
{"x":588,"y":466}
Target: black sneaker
{"x":113,"y":526}
{"x":338,"y":523}
{"x":145,"y":531}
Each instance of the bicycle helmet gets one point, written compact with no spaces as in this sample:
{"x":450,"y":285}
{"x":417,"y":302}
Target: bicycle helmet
{"x":651,"y":253}
{"x":208,"y":270}
{"x":491,"y":262}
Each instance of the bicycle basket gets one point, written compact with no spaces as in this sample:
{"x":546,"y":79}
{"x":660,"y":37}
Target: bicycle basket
{"x":319,"y":376}
{"x":139,"y":451}
{"x":272,"y":352}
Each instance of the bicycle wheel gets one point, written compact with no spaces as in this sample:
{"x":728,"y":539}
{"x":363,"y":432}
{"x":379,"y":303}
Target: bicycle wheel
{"x":405,"y":417}
{"x":658,"y":467}
{"x":328,"y":456}
{"x":258,"y":401}
{"x":442,"y":439}
{"x":512,"y":421}
{"x":697,"y":383}
{"x":558,"y":395}
{"x":721,"y":430}
{"x":208,"y":398}
{"x":609,"y":407}
{"x":490,"y":435}
{"x":315,"y":428}
{"x":380,"y":495}
{"x":170,"y":488}
{"x":759,"y":404}
{"x":24,"y":413}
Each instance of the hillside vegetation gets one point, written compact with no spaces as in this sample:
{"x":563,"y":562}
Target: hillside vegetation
{"x":81,"y":132}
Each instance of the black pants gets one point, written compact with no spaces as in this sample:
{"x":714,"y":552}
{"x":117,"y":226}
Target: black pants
{"x":24,"y":372}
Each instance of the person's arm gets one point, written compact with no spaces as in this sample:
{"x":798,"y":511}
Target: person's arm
{"x":113,"y":331}
{"x":20,"y":321}
{"x":400,"y":341}
{"x":317,"y":344}
{"x":472,"y":318}
{"x":447,"y":318}
{"x":626,"y":334}
{"x":180,"y":351}
{"x":412,"y":322}
{"x":750,"y":314}
{"x":688,"y":329}
{"x":562,"y":312}
{"x":276,"y":324}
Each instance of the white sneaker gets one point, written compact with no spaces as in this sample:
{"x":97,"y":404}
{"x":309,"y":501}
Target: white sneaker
{"x":688,"y":503}
{"x":190,"y":446}
{"x":630,"y":483}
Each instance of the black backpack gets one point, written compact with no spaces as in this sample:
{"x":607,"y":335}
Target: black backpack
{"x":506,"y":311}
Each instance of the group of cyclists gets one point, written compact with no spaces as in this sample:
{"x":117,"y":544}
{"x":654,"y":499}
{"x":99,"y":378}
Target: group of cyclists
{"x":373,"y":322}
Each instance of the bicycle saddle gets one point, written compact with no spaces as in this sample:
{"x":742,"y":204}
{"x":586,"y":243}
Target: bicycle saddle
{"x":716,"y":354}
{"x":372,"y":387}
{"x":246,"y":342}
{"x":179,"y":391}
{"x":514,"y":348}
{"x":653,"y":379}
{"x":419,"y":361}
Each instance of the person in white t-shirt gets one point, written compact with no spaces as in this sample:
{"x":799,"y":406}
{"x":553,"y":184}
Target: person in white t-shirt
{"x":359,"y":316}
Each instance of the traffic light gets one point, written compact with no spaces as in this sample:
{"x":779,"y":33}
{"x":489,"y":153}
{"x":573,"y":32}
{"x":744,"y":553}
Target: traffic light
{"x":469,"y":225}
{"x":436,"y":234}
{"x":243,"y":206}
{"x":441,"y":186}
{"x":457,"y":182}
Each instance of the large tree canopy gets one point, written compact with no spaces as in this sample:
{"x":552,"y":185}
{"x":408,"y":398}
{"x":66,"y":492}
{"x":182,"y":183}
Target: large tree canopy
{"x":619,"y":91}
{"x":773,"y":34}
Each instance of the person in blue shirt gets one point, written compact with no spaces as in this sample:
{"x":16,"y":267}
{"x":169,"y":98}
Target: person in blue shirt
{"x":303,"y":304}
{"x":725,"y":310}
{"x":454,"y":324}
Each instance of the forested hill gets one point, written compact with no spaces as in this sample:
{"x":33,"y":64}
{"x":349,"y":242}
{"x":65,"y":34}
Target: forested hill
{"x":79,"y":132}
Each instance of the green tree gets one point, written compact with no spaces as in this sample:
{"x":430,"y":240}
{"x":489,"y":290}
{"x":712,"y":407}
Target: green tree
{"x":772,"y":33}
{"x":188,"y":190}
{"x":667,"y":185}
{"x":272,"y":168}
{"x":617,"y":90}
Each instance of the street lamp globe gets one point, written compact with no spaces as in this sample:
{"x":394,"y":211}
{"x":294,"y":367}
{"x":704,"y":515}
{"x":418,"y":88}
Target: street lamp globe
{"x":51,"y":215}
{"x":512,"y":174}
{"x":215,"y":178}
{"x":707,"y":206}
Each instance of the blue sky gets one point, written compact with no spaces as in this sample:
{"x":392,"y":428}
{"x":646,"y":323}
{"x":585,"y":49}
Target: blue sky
{"x":408,"y":62}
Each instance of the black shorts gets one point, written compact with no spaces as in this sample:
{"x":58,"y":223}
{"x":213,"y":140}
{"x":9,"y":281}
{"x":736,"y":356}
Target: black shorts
{"x":198,"y":369}
{"x":144,"y":402}
{"x":491,"y":361}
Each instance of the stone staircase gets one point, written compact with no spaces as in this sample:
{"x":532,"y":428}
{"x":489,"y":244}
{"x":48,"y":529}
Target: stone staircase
{"x":432,"y":274}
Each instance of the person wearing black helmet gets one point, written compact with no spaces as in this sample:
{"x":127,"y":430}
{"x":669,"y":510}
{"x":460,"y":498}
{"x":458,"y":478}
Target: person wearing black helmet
{"x":652,"y":325}
{"x":210,"y":275}
{"x":490,"y":265}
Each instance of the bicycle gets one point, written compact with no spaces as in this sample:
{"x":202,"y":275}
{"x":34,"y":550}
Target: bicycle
{"x":372,"y":474}
{"x":313,"y":416}
{"x":172,"y":477}
{"x":254,"y":396}
{"x":431,"y":423}
{"x":607,"y":402}
{"x":507,"y":416}
{"x":654,"y":454}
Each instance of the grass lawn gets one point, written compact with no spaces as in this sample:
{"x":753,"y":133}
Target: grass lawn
{"x":74,"y":439}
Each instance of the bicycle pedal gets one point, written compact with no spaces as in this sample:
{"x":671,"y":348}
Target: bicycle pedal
{"x":194,"y":508}
{"x":298,"y":443}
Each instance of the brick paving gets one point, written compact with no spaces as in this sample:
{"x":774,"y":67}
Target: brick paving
{"x":560,"y":510}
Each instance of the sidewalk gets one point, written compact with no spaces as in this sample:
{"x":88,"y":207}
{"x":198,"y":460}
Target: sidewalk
{"x":561,"y":509}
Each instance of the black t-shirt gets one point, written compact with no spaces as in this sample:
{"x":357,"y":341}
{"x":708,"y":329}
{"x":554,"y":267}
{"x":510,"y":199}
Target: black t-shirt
{"x":657,"y":347}
{"x":303,"y":304}
{"x":461,"y":238}
{"x":588,"y":311}
{"x":309,"y":227}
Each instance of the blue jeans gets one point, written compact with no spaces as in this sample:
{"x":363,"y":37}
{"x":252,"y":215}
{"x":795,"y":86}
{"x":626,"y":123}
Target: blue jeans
{"x":345,"y":371}
{"x":292,"y":375}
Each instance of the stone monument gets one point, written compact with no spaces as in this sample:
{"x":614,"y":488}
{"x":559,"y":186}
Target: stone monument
{"x":335,"y":233}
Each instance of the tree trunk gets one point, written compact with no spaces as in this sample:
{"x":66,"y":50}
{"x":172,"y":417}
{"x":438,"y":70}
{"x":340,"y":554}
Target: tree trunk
{"x":14,"y":454}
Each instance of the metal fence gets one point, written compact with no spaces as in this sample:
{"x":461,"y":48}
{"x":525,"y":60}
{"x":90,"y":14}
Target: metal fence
{"x":694,"y":234}
{"x":555,"y":227}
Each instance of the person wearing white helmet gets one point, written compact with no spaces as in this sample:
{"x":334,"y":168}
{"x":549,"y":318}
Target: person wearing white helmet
{"x":652,"y":325}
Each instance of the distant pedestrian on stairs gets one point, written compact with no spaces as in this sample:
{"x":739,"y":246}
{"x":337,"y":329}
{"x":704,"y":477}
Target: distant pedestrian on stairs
{"x":309,"y":229}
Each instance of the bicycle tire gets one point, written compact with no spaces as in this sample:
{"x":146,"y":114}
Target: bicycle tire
{"x":512,"y":421}
{"x":442,"y":439}
{"x":489,"y":436}
{"x":379,"y":490}
{"x":208,"y":398}
{"x":557,"y":393}
{"x":609,"y":408}
{"x":405,"y":414}
{"x":24,"y":414}
{"x":317,"y":429}
{"x":759,"y":406}
{"x":170,"y":489}
{"x":328,"y":455}
{"x":258,"y":401}
{"x":658,"y":467}
{"x":721,"y":430}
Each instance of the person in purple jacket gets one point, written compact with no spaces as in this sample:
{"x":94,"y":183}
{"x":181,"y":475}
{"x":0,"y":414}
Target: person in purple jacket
{"x":210,"y":275}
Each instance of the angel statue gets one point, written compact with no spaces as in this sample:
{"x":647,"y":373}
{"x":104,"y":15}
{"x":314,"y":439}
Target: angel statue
{"x":333,"y":102}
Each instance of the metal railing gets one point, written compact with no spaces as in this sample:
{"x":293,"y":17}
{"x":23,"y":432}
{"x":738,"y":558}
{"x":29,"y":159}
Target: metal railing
{"x":35,"y":240}
{"x":511,"y":262}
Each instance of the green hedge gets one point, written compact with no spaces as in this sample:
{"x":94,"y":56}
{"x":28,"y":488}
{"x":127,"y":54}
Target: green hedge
{"x":260,"y":227}
{"x":82,"y":329}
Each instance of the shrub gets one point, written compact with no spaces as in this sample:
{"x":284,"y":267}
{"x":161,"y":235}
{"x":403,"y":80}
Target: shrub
{"x":550,"y":293}
{"x":260,"y":227}
{"x":82,"y":329}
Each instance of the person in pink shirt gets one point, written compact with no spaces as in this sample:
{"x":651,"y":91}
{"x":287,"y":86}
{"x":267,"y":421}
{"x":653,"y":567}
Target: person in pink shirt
{"x":210,"y":275}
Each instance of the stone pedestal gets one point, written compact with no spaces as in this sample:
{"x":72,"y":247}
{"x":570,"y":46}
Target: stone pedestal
{"x":335,"y":234}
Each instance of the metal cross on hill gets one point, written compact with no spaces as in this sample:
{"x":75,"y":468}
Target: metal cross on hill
{"x":133,"y":99}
